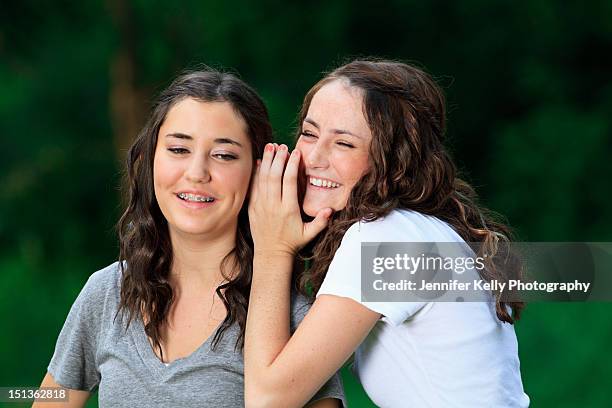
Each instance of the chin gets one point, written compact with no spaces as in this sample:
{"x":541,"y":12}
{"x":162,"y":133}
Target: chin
{"x":311,"y":209}
{"x":310,"y":213}
{"x":191,"y":228}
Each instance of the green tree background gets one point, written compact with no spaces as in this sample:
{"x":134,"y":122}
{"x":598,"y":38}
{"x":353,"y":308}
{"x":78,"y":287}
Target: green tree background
{"x":529,"y":97}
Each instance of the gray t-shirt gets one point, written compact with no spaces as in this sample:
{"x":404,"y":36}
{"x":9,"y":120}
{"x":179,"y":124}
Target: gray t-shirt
{"x":95,"y":350}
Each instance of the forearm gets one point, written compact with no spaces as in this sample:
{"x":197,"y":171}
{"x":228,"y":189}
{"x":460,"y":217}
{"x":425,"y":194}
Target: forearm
{"x":267,"y":330}
{"x":76,"y":398}
{"x":279,"y":371}
{"x":284,"y":371}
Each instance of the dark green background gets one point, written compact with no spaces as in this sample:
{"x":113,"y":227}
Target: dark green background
{"x":529,"y":97}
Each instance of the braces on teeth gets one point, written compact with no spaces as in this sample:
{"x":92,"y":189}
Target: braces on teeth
{"x":193,"y":197}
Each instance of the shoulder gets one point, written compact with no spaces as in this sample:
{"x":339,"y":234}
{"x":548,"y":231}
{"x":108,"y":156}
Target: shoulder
{"x":101,"y":287}
{"x":402,"y":226}
{"x":74,"y":363}
{"x":109,"y":275}
{"x":104,"y":280}
{"x":397,"y":226}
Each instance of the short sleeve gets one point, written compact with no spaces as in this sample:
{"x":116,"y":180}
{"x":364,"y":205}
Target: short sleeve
{"x":332,"y":388}
{"x":343,"y":276}
{"x":73,"y":364}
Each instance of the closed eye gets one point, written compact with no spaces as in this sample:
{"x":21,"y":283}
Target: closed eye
{"x":345,"y":144}
{"x":178,"y":150}
{"x":307,"y":134}
{"x":225,"y":156}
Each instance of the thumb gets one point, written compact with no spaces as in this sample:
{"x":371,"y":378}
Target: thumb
{"x":317,"y":225}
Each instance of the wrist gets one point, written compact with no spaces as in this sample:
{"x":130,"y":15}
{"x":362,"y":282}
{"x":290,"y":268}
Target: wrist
{"x":275,"y":252}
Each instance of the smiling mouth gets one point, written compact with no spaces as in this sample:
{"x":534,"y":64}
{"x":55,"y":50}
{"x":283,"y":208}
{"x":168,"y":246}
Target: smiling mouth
{"x":194,"y":198}
{"x":317,"y":182}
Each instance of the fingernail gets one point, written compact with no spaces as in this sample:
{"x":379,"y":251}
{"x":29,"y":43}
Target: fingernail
{"x":282,"y":147}
{"x":269,"y":147}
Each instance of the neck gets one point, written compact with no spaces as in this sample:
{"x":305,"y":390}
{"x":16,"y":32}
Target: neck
{"x":197,"y":260}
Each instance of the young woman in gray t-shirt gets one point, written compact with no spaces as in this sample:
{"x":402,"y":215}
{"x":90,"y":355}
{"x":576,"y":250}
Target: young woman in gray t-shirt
{"x":164,"y":326}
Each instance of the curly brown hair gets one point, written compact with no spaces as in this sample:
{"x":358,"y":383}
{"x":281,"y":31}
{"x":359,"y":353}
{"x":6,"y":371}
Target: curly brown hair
{"x":409,"y":168}
{"x":145,"y":253}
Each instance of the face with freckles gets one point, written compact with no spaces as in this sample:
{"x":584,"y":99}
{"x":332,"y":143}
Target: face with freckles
{"x":334,"y":144}
{"x":202,"y":167}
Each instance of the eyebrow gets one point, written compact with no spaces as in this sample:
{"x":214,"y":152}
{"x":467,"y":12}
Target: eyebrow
{"x":336,"y":131}
{"x":219,"y":140}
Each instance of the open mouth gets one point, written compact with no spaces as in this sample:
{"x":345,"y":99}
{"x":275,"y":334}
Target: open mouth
{"x":195,"y":198}
{"x":317,"y":182}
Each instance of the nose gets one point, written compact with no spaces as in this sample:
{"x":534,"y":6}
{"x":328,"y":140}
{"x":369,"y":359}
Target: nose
{"x":198,"y":169}
{"x":317,"y":157}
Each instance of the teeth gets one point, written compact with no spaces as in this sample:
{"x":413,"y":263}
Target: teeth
{"x":323,"y":183}
{"x":196,"y":198}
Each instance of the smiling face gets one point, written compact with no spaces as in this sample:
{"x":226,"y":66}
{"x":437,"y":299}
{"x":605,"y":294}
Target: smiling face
{"x":334,"y":144}
{"x":202,"y":167}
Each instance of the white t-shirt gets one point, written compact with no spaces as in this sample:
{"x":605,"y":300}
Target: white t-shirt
{"x":434,"y":354}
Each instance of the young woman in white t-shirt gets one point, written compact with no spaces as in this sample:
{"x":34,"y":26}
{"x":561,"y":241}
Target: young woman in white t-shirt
{"x":370,"y":157}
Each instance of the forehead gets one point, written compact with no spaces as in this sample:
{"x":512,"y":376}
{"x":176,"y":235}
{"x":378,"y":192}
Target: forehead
{"x":205,"y":120}
{"x":340,"y":105}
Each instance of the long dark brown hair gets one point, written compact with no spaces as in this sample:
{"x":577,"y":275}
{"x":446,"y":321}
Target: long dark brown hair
{"x":409,"y":169}
{"x":145,"y":253}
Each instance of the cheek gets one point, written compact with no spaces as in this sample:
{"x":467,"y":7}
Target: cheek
{"x":237,"y":180}
{"x":159,"y":174}
{"x":351,"y":168}
{"x":165,"y":172}
{"x":303,"y":148}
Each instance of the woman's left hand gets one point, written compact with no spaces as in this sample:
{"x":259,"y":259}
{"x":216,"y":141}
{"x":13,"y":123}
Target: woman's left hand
{"x":274,"y":212}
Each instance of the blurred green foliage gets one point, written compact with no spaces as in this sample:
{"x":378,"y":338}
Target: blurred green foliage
{"x":529,"y":96}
